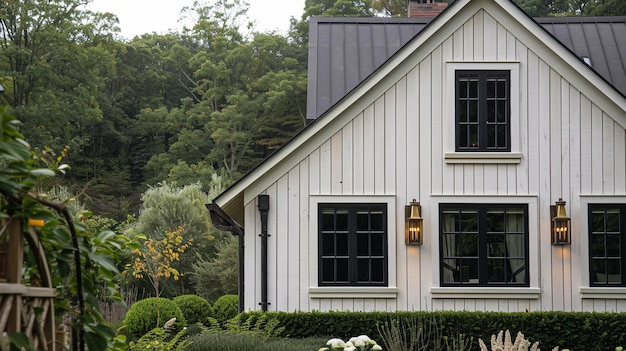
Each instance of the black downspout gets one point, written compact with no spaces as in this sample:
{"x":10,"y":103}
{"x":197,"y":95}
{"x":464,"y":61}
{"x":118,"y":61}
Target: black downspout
{"x":263,"y":203}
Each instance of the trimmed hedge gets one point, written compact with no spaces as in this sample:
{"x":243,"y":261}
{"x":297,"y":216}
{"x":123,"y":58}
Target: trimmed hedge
{"x":588,"y":331}
{"x":147,"y":314}
{"x":194,"y":308}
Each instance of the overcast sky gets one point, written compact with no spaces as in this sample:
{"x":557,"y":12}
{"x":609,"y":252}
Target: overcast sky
{"x":146,"y":16}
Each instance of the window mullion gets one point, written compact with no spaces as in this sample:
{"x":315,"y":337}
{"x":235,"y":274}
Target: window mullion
{"x":482,"y":245}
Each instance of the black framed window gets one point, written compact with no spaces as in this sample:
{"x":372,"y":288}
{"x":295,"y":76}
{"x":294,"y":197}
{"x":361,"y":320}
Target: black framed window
{"x":484,"y":244}
{"x":483,"y":111}
{"x":352,"y":244}
{"x":607,"y":245}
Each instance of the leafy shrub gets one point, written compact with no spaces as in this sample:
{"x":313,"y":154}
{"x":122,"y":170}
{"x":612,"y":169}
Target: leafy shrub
{"x":158,"y":339}
{"x":147,"y":314}
{"x":194,"y":308}
{"x":225,"y":308}
{"x":591,"y":331}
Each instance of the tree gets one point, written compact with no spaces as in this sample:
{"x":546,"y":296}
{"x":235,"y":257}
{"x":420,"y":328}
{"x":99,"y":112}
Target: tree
{"x":155,"y":259}
{"x":393,"y":8}
{"x":605,"y":8}
{"x":217,"y":276}
{"x":166,"y":208}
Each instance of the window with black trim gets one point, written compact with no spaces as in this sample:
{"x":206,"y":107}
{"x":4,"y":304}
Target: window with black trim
{"x":352,"y":244}
{"x":483,"y":111}
{"x":607,"y":244}
{"x":484,"y":244}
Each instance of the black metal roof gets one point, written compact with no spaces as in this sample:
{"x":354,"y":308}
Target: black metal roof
{"x":344,"y":51}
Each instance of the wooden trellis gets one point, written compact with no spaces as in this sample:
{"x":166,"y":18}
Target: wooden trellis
{"x":25,"y":306}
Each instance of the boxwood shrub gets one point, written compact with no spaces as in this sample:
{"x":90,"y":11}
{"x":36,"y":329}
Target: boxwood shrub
{"x":225,"y":308}
{"x":147,"y":314}
{"x":194,"y":308}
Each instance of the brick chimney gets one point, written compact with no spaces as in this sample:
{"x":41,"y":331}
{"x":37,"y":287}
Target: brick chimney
{"x":427,"y":8}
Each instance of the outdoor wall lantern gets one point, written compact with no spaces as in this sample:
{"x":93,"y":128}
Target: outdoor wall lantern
{"x":413,"y":223}
{"x":560,"y":224}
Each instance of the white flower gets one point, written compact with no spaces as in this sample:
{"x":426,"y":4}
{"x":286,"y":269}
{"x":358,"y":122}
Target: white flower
{"x":350,"y":348}
{"x":349,"y":344}
{"x":336,"y":343}
{"x":377,"y":348}
{"x":324,"y":349}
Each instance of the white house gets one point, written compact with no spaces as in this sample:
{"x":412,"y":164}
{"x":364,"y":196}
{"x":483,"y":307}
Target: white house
{"x":483,"y":117}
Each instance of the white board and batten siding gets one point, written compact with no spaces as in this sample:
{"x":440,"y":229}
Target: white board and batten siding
{"x":398,"y":144}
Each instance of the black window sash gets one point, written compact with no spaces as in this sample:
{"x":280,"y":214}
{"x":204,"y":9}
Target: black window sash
{"x":483,"y":247}
{"x":483,"y":135}
{"x":607,"y":244}
{"x":372,"y":257}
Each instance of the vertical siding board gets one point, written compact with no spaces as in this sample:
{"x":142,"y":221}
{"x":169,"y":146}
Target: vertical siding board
{"x":380,"y":144}
{"x":585,"y":146}
{"x":390,"y":137}
{"x":533,"y":159}
{"x":273,"y":227}
{"x":543,"y":188}
{"x":565,"y":183}
{"x":503,"y":179}
{"x":403,"y":266}
{"x":608,"y":155}
{"x":520,"y":52}
{"x":348,"y":305}
{"x":620,"y":159}
{"x":410,"y":154}
{"x":597,"y":168}
{"x":251,"y":269}
{"x":336,"y":163}
{"x":575,"y":152}
{"x":490,"y":179}
{"x":347,"y":158}
{"x":358,"y":162}
{"x":425,"y":114}
{"x":479,"y":35}
{"x":458,"y":43}
{"x":469,"y":180}
{"x":280,"y":243}
{"x":305,"y":237}
{"x":326,"y":167}
{"x":368,"y":150}
{"x":556,"y":183}
{"x":502,"y":36}
{"x":492,"y":45}
{"x":468,"y":40}
{"x":293,"y":236}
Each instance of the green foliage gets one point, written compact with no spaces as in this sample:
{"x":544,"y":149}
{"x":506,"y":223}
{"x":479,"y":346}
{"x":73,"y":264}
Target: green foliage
{"x":158,"y":339}
{"x":194,"y":308}
{"x":573,"y":330}
{"x":166,"y":208}
{"x":225,"y":308}
{"x":85,"y":261}
{"x":150,"y":313}
{"x":229,"y":341}
{"x":263,"y":325}
{"x":218,"y":276}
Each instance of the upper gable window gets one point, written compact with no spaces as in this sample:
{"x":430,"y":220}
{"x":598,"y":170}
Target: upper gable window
{"x":483,"y":122}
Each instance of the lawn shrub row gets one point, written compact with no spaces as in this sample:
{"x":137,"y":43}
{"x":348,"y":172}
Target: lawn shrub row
{"x":571,"y":330}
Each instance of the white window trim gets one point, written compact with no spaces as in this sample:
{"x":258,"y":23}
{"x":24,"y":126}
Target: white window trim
{"x":353,"y":292}
{"x":390,"y":291}
{"x":587,"y":291}
{"x":533,"y":291}
{"x":449,"y":123}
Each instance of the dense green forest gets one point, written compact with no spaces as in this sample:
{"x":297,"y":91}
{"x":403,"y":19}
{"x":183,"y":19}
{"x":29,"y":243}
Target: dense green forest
{"x":155,"y":127}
